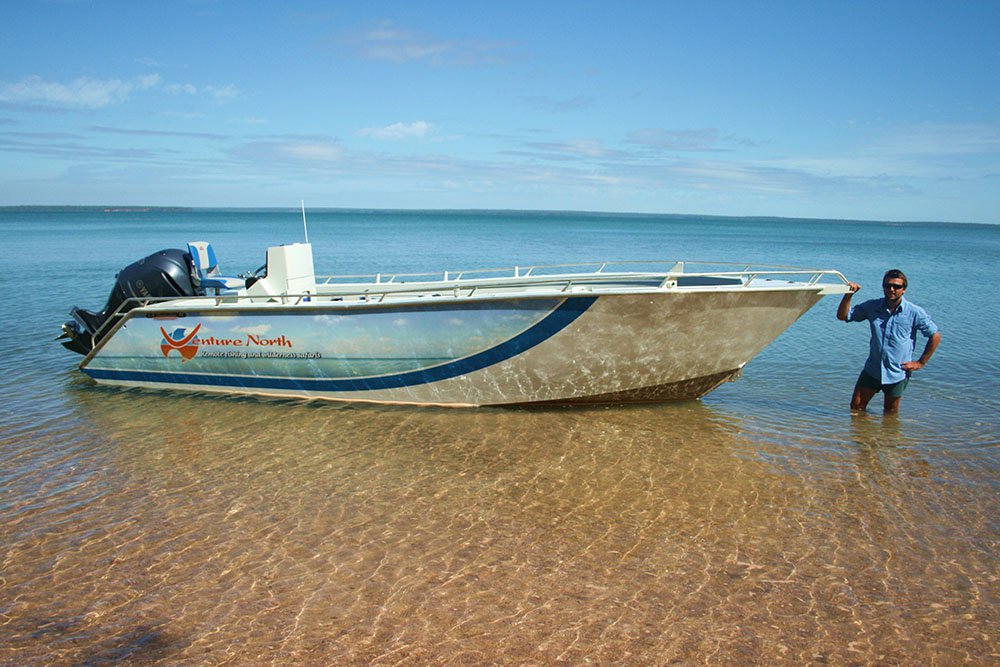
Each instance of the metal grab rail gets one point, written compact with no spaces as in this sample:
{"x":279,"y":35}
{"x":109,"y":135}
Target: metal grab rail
{"x":461,"y":287}
{"x":665,"y":279}
{"x":216,"y":299}
{"x":588,"y":268}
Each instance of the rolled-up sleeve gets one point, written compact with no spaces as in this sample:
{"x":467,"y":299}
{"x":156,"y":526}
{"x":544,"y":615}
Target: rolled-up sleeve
{"x":925,"y":324}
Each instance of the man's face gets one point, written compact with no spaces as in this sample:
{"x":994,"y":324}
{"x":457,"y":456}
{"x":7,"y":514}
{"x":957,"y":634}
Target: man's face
{"x":893,"y":289}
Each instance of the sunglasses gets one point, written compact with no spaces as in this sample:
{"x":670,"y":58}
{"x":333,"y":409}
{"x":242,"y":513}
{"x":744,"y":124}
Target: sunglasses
{"x":893,"y":286}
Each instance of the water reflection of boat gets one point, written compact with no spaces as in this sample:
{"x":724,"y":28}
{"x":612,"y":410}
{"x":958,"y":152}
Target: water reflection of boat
{"x":603,"y":333}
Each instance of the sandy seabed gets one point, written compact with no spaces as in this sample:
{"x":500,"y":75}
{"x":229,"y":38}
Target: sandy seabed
{"x":224,"y":531}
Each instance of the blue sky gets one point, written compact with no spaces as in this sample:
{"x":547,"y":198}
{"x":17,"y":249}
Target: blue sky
{"x":830,"y":109}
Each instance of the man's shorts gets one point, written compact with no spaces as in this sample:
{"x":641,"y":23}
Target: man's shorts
{"x":894,"y":389}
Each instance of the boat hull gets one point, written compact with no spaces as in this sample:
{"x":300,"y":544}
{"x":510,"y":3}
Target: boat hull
{"x":610,"y":348}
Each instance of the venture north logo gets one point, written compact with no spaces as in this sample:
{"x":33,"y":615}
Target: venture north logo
{"x":188,"y":344}
{"x":184,"y":343}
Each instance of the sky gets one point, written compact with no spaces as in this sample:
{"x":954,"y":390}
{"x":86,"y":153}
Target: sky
{"x":839,"y":109}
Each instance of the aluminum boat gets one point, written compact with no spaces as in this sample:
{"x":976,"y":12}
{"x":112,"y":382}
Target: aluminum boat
{"x":567,"y":334}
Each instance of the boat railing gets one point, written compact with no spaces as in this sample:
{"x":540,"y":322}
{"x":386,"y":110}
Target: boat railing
{"x":375,"y":288}
{"x":588,"y":269}
{"x":378,"y":287}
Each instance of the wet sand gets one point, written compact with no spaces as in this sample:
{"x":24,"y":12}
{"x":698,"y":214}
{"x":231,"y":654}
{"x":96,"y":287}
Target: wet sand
{"x":225,"y":531}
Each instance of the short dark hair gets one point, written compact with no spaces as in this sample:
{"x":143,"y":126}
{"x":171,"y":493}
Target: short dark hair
{"x":895,"y":273}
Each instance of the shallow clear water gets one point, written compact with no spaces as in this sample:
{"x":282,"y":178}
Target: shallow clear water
{"x":762,"y":524}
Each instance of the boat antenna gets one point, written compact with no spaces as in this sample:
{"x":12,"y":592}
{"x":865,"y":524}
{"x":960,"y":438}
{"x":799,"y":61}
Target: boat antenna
{"x":305,"y":227}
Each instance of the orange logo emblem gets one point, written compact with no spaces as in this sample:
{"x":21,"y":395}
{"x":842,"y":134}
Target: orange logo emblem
{"x":185,"y":344}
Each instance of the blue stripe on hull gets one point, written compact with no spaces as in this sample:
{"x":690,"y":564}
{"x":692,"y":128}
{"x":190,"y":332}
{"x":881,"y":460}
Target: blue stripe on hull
{"x":554,"y":322}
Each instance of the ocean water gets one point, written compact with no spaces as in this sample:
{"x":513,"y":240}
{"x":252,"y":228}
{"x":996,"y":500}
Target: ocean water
{"x":762,"y":524}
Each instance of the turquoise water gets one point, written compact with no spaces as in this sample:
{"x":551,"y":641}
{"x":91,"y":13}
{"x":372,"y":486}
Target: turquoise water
{"x":71,"y":259}
{"x":762,"y":522}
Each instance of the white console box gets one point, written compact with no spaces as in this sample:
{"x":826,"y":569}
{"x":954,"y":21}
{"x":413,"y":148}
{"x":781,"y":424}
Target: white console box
{"x":289,"y":272}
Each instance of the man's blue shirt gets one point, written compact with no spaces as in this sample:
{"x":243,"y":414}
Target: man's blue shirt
{"x":894,"y":335}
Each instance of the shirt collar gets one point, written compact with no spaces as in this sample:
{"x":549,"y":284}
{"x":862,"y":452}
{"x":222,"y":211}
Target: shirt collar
{"x":902,"y":304}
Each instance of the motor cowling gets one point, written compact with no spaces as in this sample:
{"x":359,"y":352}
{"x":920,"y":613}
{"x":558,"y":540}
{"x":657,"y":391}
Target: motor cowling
{"x":164,"y":274}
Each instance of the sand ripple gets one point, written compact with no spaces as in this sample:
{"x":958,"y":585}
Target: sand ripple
{"x":201,"y":530}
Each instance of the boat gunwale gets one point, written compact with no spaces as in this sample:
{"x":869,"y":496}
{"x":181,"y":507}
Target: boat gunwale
{"x":367,"y":300}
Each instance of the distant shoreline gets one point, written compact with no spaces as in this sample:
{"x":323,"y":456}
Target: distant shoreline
{"x":41,"y":208}
{"x":111,"y":209}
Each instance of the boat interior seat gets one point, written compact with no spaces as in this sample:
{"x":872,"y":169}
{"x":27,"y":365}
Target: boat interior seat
{"x":207,"y":274}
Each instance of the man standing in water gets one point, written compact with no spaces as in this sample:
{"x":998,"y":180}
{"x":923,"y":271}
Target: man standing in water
{"x":894,"y":323}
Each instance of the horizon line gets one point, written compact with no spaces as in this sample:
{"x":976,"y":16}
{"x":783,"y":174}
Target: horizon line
{"x":138,"y":208}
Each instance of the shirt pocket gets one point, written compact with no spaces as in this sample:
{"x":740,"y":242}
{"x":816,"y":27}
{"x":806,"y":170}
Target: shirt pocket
{"x":901,"y":328}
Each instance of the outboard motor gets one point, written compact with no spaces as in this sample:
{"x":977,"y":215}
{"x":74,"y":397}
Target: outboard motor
{"x":166,"y":273}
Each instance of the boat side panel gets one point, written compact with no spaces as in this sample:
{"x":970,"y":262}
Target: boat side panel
{"x":614,"y":347}
{"x":340,"y":350}
{"x":668,"y":345}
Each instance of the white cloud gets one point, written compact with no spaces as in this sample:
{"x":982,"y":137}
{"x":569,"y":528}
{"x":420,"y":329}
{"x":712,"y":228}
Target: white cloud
{"x":386,"y":43}
{"x":585,"y":147}
{"x":84,"y":92}
{"x":549,"y":104}
{"x":89,"y":93}
{"x":286,"y":150}
{"x":218,"y":93}
{"x":396,"y":131}
{"x":182,"y":89}
{"x":939,"y":151}
{"x":674,"y":140}
{"x":312,"y":151}
{"x":941,"y":139}
{"x":221,"y":93}
{"x":148,"y":81}
{"x":571,"y":149}
{"x":389,"y":43}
